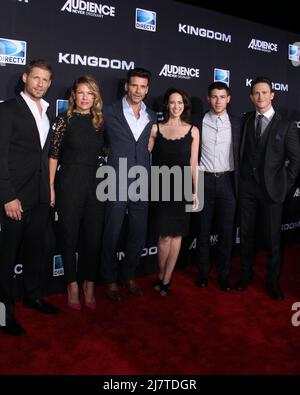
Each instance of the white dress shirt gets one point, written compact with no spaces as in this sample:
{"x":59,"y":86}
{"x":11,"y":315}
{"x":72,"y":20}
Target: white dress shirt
{"x":42,"y":121}
{"x":137,"y":125}
{"x":216,"y":143}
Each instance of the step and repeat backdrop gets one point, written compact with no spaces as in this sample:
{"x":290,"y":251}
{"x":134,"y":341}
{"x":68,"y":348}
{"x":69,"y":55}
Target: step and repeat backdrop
{"x":183,"y":46}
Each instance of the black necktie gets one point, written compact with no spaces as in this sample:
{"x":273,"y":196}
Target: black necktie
{"x":258,"y":126}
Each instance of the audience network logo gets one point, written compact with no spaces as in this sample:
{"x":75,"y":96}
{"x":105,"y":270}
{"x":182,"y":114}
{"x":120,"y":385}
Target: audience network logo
{"x":221,"y":75}
{"x":12,"y":51}
{"x":263,"y":46}
{"x":88,"y":8}
{"x":173,"y":71}
{"x":145,"y":20}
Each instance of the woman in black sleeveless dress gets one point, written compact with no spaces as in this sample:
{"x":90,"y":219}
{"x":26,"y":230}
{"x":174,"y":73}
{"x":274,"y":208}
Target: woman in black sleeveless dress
{"x":76,"y":144}
{"x":174,"y":144}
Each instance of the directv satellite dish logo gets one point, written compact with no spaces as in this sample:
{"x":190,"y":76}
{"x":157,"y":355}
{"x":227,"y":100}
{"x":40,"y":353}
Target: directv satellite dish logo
{"x":58,"y":266}
{"x":61,"y":106}
{"x":145,"y":20}
{"x":293,"y":52}
{"x":12,"y":51}
{"x":221,"y":76}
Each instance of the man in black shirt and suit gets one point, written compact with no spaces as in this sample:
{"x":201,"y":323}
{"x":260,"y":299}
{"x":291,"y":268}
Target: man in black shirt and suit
{"x":24,"y":191}
{"x":268,"y":141}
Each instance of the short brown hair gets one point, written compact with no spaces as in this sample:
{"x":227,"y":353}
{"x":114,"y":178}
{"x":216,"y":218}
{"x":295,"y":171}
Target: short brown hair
{"x":40,"y":63}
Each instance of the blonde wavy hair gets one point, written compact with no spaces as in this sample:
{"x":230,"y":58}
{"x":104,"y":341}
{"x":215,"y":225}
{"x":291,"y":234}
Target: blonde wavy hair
{"x":96,"y":109}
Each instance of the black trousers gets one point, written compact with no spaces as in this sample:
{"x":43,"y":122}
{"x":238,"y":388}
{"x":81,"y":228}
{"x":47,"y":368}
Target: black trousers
{"x":253,"y":202}
{"x":219,"y":208}
{"x":135,"y":239}
{"x":29,"y":235}
{"x":80,"y":220}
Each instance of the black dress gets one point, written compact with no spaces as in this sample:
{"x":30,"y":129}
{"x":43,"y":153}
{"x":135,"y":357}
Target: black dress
{"x":171,"y":217}
{"x":77,"y":145}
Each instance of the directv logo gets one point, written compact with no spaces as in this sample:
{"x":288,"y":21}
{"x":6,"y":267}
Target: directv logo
{"x":58,"y":266}
{"x":294,"y":52}
{"x":221,"y":76}
{"x":145,"y":20}
{"x":12,"y":51}
{"x":61,"y":106}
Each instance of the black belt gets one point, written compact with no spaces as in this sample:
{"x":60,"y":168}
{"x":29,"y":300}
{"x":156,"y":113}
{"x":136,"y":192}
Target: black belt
{"x":217,"y":174}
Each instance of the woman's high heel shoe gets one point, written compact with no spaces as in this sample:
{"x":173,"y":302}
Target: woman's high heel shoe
{"x":165,"y":289}
{"x":72,"y":305}
{"x":157,"y":284}
{"x":90,"y":305}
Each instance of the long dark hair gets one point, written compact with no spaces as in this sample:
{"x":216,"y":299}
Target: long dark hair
{"x":185,"y":116}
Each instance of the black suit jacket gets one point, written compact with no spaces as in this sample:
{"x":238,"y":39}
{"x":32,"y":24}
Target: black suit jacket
{"x":23,"y":162}
{"x":236,"y":127}
{"x":283,"y":144}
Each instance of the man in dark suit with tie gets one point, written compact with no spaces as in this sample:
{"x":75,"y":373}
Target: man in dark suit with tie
{"x":268,"y":141}
{"x":219,"y":160}
{"x":127,"y":126}
{"x":24,"y":192}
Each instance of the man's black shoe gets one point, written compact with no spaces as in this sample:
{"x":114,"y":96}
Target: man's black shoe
{"x":224,"y":285}
{"x":242,"y":284}
{"x":202,"y":282}
{"x":275,"y":291}
{"x":12,"y":327}
{"x":41,"y":306}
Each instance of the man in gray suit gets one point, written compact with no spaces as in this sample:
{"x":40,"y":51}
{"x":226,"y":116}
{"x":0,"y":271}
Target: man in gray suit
{"x":127,"y":126}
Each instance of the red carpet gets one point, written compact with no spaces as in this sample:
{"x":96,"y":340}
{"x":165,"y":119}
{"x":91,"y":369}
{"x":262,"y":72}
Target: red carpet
{"x":192,"y":331}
